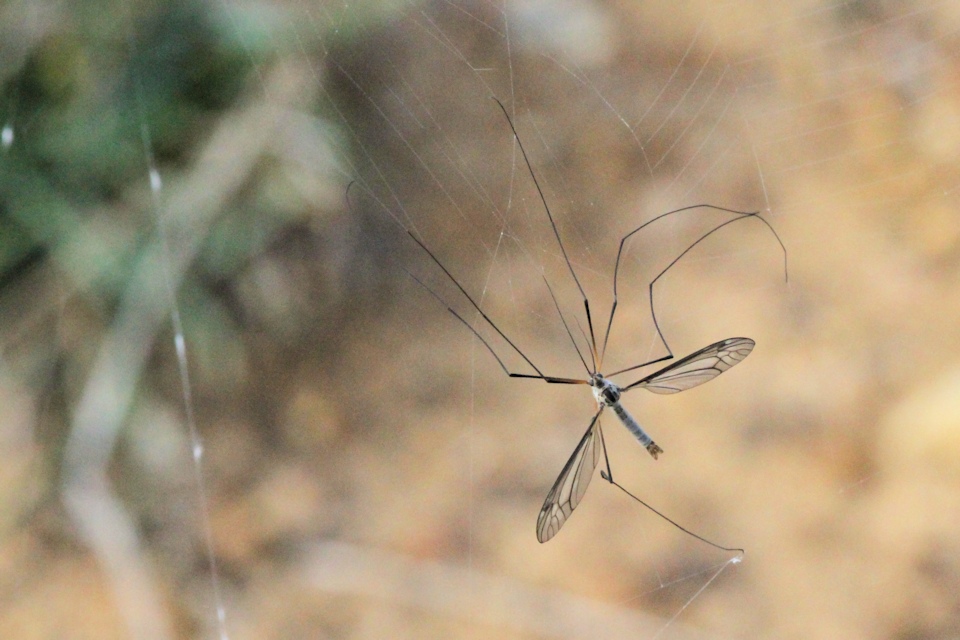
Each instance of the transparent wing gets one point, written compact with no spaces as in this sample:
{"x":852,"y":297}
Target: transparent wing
{"x":698,"y":367}
{"x":571,"y":485}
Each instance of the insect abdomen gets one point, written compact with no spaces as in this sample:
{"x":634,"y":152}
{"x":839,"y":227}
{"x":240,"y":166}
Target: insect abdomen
{"x":636,"y":429}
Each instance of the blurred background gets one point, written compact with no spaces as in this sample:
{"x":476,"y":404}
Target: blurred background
{"x":226,"y":409}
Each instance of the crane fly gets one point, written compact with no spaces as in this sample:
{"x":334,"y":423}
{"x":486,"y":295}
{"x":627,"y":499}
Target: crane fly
{"x":688,"y":372}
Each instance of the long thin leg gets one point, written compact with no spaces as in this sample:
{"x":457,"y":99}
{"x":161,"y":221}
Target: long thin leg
{"x":553,"y":225}
{"x":608,"y":476}
{"x":616,"y":270}
{"x":472,"y":302}
{"x":567,"y":327}
{"x":539,"y":376}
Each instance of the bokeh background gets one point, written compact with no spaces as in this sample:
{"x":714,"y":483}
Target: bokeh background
{"x":227,"y":409}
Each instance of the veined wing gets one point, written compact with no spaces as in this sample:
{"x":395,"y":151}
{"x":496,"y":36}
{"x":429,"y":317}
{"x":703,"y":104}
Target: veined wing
{"x":571,"y":484}
{"x":698,"y":367}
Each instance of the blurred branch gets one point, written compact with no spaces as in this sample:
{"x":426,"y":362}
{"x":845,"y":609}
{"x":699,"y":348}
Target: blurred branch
{"x":221,"y":169}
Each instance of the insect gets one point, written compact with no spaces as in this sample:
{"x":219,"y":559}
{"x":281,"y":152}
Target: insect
{"x":686,"y":373}
{"x":701,"y":366}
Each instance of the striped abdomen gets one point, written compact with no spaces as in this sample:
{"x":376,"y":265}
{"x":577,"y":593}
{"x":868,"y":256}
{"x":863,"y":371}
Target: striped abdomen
{"x":636,"y":429}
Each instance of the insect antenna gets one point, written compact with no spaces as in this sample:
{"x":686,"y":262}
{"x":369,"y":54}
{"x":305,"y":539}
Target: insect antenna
{"x":616,"y":270}
{"x":553,"y":225}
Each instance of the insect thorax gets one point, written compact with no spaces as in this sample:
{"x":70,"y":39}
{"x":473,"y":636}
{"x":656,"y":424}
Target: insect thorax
{"x":605,"y":391}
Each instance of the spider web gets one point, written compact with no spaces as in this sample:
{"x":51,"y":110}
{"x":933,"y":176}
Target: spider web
{"x":232,"y":412}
